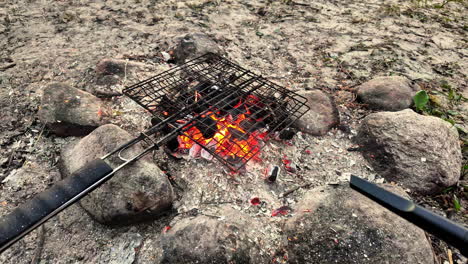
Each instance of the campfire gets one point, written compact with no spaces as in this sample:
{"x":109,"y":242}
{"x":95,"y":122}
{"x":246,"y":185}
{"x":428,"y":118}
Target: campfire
{"x":219,"y":109}
{"x":225,"y":135}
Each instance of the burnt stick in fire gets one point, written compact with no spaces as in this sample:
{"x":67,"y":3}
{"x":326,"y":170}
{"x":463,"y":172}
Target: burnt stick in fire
{"x":237,"y":134}
{"x":276,"y":116}
{"x":172,"y":144}
{"x":167,"y":106}
{"x":229,"y":102}
{"x":250,"y":125}
{"x":235,"y":112}
{"x":207,"y":126}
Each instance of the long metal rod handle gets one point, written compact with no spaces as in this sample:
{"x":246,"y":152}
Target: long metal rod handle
{"x":31,"y":214}
{"x":450,"y":232}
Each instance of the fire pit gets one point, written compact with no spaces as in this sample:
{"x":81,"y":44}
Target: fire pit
{"x":226,"y":111}
{"x":208,"y":107}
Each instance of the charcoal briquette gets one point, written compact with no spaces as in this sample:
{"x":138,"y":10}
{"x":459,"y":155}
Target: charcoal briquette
{"x":287,"y":134}
{"x":207,"y":126}
{"x":272,"y":174}
{"x":237,"y":134}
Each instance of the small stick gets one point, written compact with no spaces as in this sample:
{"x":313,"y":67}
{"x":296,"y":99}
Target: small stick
{"x":40,"y":245}
{"x":7,"y":66}
{"x":105,"y":94}
{"x":299,"y":4}
{"x":295,"y":189}
{"x":10,"y":160}
{"x":125,"y":72}
{"x":434,"y":256}
{"x":449,"y":254}
{"x":201,"y":198}
{"x":39,"y":136}
{"x":210,"y":215}
{"x":217,"y":202}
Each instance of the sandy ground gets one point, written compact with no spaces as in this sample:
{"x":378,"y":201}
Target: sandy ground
{"x":329,"y":45}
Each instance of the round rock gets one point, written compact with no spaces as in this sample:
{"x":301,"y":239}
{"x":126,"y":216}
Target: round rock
{"x":340,"y":225}
{"x":110,"y":71}
{"x":193,"y":45}
{"x":140,"y":191}
{"x":322,"y":116}
{"x":68,"y":111}
{"x":204,"y":239}
{"x":421,"y":153}
{"x":390,"y":93}
{"x":118,"y":67}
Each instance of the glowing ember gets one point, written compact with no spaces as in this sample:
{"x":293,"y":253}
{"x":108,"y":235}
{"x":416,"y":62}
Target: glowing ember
{"x":255,"y":201}
{"x":283,"y":210}
{"x":224,"y":134}
{"x":166,"y":228}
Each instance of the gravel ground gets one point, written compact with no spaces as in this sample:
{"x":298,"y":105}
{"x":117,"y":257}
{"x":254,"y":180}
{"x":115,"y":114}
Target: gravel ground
{"x":329,"y":45}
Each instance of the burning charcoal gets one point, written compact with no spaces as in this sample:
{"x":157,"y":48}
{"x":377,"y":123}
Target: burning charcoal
{"x":235,"y":112}
{"x":259,"y":112}
{"x":287,"y":134}
{"x":207,"y":126}
{"x":229,"y":102}
{"x":172,"y":144}
{"x":205,"y":154}
{"x":194,"y":93}
{"x":283,"y":210}
{"x":288,"y":165}
{"x":250,"y":125}
{"x":165,"y":104}
{"x":156,"y":120}
{"x":194,"y":151}
{"x":272,"y":173}
{"x":234,"y":160}
{"x":237,"y":134}
{"x":166,"y":228}
{"x":292,"y":168}
{"x":255,"y":201}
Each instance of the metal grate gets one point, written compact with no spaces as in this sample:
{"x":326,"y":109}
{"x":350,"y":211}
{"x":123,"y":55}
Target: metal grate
{"x":226,"y":111}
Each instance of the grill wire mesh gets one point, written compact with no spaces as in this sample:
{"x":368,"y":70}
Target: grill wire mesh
{"x":226,"y":111}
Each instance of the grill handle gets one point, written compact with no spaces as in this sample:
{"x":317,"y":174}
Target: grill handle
{"x":450,"y":232}
{"x":43,"y":206}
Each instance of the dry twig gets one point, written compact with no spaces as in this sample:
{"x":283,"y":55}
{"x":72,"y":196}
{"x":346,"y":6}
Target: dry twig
{"x":449,"y":254}
{"x":40,"y":246}
{"x":107,"y":94}
{"x":295,"y":189}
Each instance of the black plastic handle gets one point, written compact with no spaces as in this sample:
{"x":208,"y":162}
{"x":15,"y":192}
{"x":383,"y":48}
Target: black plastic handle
{"x":43,"y":206}
{"x":450,"y":232}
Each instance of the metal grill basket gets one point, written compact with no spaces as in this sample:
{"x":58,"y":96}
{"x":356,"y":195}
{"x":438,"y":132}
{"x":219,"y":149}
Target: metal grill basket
{"x":226,"y":110}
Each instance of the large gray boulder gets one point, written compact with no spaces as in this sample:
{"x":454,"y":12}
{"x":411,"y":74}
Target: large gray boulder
{"x":322,"y":116}
{"x":390,"y":93}
{"x":193,"y":45}
{"x":138,"y":192}
{"x":205,"y":239}
{"x":68,"y":111}
{"x":339,"y":225}
{"x":419,"y":152}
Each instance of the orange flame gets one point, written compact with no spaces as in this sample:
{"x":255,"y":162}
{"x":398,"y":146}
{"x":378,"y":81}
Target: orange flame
{"x":223,"y":142}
